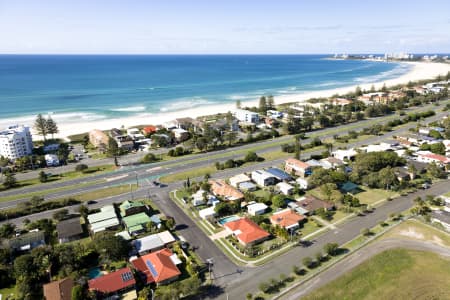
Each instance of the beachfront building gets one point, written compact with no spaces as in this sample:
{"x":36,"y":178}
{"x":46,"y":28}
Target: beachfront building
{"x":15,"y":142}
{"x":98,"y":139}
{"x":246,"y":116}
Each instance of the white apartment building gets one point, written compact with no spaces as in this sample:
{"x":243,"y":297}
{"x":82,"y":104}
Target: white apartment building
{"x":15,"y":142}
{"x":246,"y":116}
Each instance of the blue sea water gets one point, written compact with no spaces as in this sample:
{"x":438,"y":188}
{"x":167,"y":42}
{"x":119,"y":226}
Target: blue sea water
{"x":98,"y":87}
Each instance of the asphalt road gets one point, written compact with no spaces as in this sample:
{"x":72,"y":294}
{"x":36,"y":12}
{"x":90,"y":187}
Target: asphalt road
{"x":355,"y":259}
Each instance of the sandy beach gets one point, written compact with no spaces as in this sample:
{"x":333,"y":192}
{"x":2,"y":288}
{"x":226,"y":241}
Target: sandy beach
{"x":419,"y":70}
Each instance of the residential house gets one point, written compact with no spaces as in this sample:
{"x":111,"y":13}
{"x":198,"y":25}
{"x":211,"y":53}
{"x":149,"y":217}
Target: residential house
{"x":26,"y":241}
{"x":442,"y":217}
{"x":238,"y":179}
{"x":246,"y":116}
{"x":51,"y":160}
{"x":149,"y":130}
{"x":428,"y":157}
{"x":153,"y":242}
{"x":69,"y":230}
{"x":263,"y":178}
{"x":274,"y":114}
{"x":180,"y":134}
{"x":297,"y":167}
{"x":59,"y":290}
{"x":221,"y":189}
{"x":136,"y":223}
{"x":246,"y":231}
{"x":183,"y":123}
{"x":350,"y":187}
{"x":98,"y":139}
{"x":310,"y":204}
{"x":344,"y":155}
{"x":372,"y":98}
{"x":159,"y":267}
{"x":247,"y":186}
{"x":106,"y":219}
{"x":285,"y":188}
{"x":256,"y":208}
{"x":340,"y":101}
{"x":287,"y":219}
{"x":114,"y":283}
{"x":207,"y":213}
{"x":302,"y":183}
{"x":279,"y":174}
{"x":331,"y":163}
{"x":403,"y":174}
{"x":128,"y":208}
{"x":124,"y":142}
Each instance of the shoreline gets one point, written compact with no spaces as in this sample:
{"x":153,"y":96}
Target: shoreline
{"x":419,"y":71}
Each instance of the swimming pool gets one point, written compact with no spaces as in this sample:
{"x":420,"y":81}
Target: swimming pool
{"x":94,"y":273}
{"x":228,"y":219}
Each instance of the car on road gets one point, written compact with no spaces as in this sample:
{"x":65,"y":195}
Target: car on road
{"x":91,"y":202}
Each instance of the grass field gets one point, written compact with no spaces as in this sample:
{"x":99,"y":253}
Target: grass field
{"x":393,"y":274}
{"x":416,"y":230}
{"x":371,"y":196}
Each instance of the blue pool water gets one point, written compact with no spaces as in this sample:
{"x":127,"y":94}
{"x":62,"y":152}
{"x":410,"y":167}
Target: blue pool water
{"x":228,"y":219}
{"x":94,"y":273}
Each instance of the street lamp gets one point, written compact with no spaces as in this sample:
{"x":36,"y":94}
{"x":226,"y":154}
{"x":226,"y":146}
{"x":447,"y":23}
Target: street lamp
{"x":210,"y":262}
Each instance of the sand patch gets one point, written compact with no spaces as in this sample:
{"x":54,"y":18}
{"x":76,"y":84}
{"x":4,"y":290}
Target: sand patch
{"x":410,"y":232}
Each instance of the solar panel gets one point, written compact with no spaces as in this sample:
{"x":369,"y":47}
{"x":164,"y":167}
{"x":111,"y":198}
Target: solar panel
{"x":127,"y":276}
{"x":152,"y":268}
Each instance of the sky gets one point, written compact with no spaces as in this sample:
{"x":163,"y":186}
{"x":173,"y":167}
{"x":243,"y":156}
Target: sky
{"x":223,"y":27}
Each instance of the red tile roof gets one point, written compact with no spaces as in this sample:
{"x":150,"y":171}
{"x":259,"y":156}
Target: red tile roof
{"x":285,"y":218}
{"x":112,"y":282}
{"x":246,"y":230}
{"x":150,"y":129}
{"x":297,"y":163}
{"x":157,"y":266}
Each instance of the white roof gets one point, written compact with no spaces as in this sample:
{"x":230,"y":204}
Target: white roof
{"x":207,"y":212}
{"x":149,"y":242}
{"x":179,"y":130}
{"x":166,"y":237}
{"x":239,"y":178}
{"x":106,"y":212}
{"x":262,"y":173}
{"x":174,"y":258}
{"x":257,"y":207}
{"x":124,"y":234}
{"x":284,"y":185}
{"x":103,"y":225}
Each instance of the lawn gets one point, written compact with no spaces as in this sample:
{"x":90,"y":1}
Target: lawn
{"x":393,"y":274}
{"x":197,"y":172}
{"x":371,"y":196}
{"x":308,"y":228}
{"x":413,"y":229}
{"x":7,"y":291}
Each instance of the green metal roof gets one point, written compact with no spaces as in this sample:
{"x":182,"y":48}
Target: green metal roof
{"x":134,"y":220}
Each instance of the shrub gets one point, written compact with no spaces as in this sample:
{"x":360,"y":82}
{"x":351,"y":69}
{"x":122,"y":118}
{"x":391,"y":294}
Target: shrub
{"x":81,"y":168}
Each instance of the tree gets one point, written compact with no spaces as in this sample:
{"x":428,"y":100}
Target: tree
{"x":365,"y":232}
{"x":278,"y":201}
{"x":110,"y":246}
{"x":60,"y":214}
{"x":51,"y":126}
{"x":43,"y":176}
{"x":170,"y":223}
{"x":307,"y":262}
{"x":7,"y":230}
{"x":35,"y":201}
{"x":40,"y":125}
{"x":331,"y":248}
{"x":270,"y":102}
{"x":263,"y":105}
{"x":238,"y":104}
{"x":230,"y":137}
{"x":202,"y":143}
{"x":249,"y":296}
{"x":83,"y":210}
{"x":358,"y":91}
{"x":113,"y":147}
{"x":251,"y":156}
{"x":149,"y":158}
{"x":81,"y":168}
{"x":10,"y":180}
{"x":77,"y":293}
{"x":298,"y":147}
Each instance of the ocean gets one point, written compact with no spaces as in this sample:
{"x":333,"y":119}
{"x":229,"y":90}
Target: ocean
{"x":99,"y":87}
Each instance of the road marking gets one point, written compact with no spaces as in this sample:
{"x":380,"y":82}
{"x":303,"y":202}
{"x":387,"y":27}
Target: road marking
{"x":154,"y":169}
{"x":116,"y":178}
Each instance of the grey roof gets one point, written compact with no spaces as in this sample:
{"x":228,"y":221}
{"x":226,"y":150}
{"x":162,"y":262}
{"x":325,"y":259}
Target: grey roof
{"x":32,"y":238}
{"x":69,"y":228}
{"x":147,"y":243}
{"x":247,"y":185}
{"x":279,"y":174}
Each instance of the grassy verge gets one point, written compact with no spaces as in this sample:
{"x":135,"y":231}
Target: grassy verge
{"x":415,"y":273}
{"x":103,"y":193}
{"x":190,"y":173}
